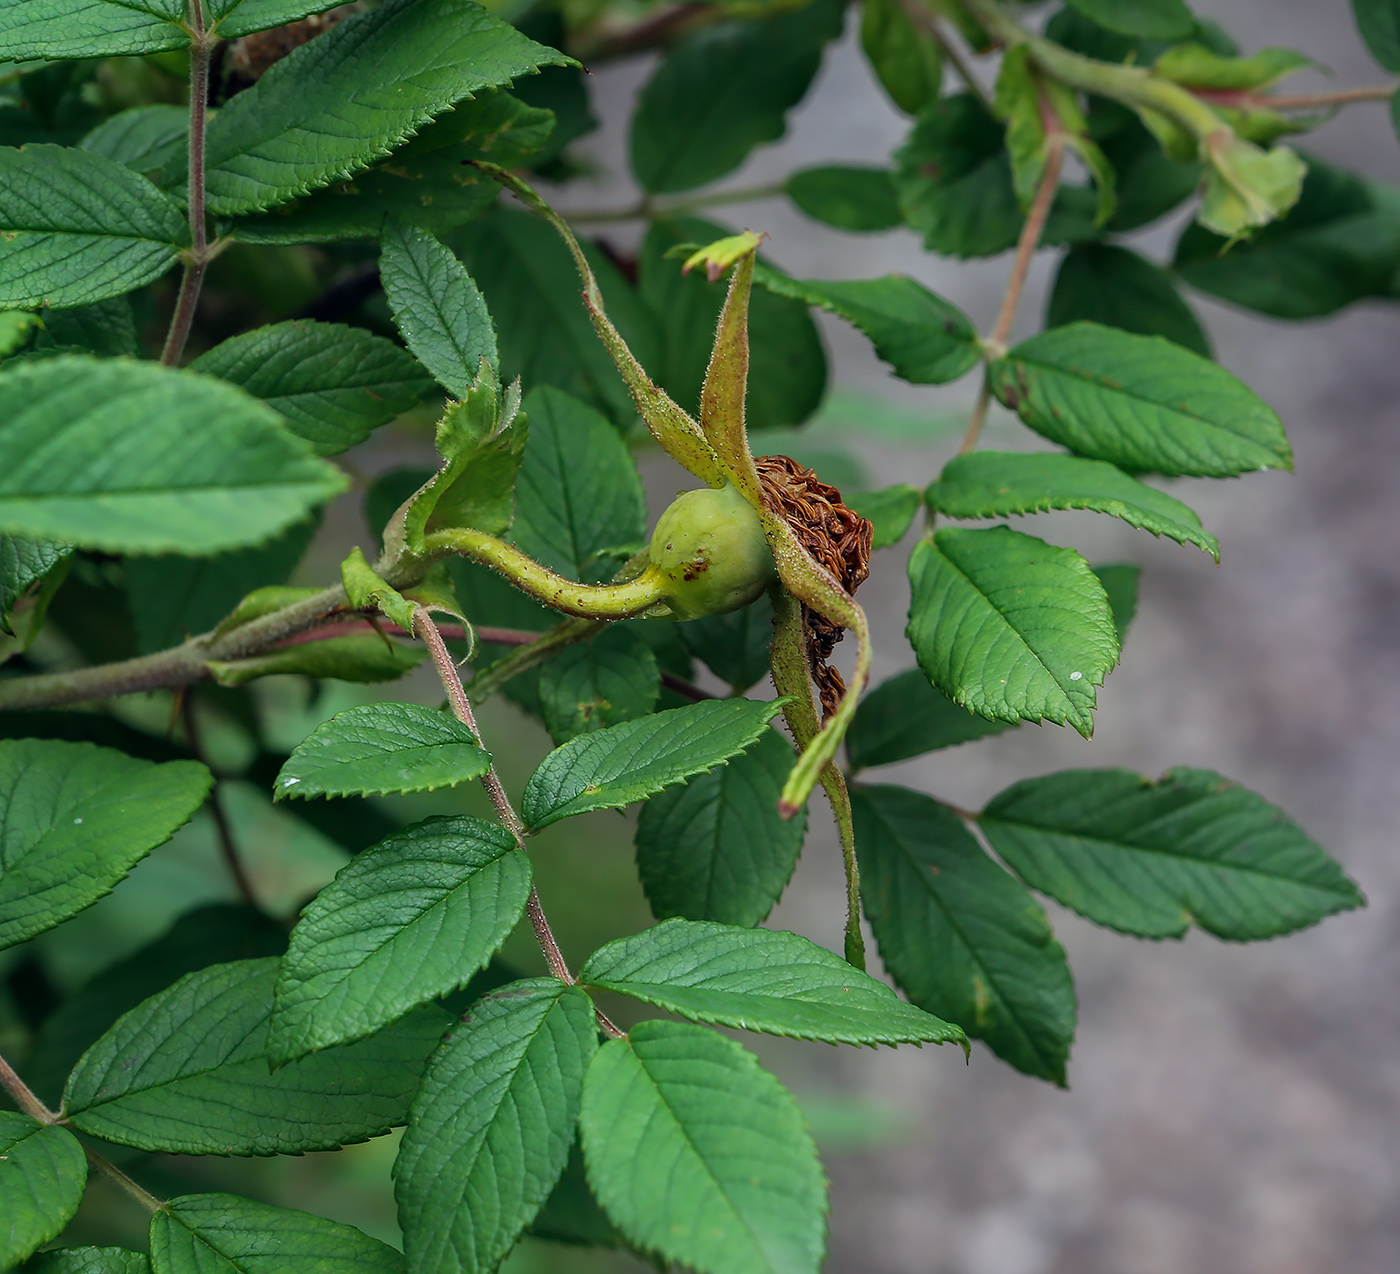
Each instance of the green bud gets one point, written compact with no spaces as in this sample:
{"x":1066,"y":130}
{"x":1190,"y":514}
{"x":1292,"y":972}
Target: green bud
{"x":709,"y":554}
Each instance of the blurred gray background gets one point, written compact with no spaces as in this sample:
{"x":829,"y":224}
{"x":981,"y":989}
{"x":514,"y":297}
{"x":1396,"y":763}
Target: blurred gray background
{"x":1233,"y":1110}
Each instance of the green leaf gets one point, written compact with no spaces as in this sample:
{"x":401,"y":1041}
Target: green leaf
{"x":960,"y":935}
{"x":1155,"y":19}
{"x":315,"y":117}
{"x":996,"y":484}
{"x":23,"y":564}
{"x":331,"y":384}
{"x":634,"y":760}
{"x":133,"y":457}
{"x":144,"y":138}
{"x":1379,"y":23}
{"x":723,"y":91}
{"x":428,"y":182}
{"x":1139,"y":402}
{"x":787,"y":365}
{"x":378,"y":749}
{"x":189,"y":1072}
{"x":1339,"y":244}
{"x":1103,"y":283}
{"x":846,"y":196}
{"x":491,"y":1128}
{"x":42,"y":1174}
{"x":401,"y":924}
{"x":905,"y":56}
{"x":172,"y":598}
{"x":1120,"y":583}
{"x":1010,"y":627}
{"x":571,"y":1214}
{"x":699,"y":1155}
{"x":106,"y":328}
{"x":891,"y":511}
{"x":603,"y":682}
{"x":734,"y":646}
{"x":1149,"y":182}
{"x":79,"y":818}
{"x":436,"y":306}
{"x":223,"y":1234}
{"x":759,"y":980}
{"x":578,"y":498}
{"x":87,"y":1260}
{"x":922,"y":337}
{"x":532,"y":290}
{"x":365,"y":590}
{"x":954,"y":180}
{"x":364,"y":658}
{"x":232,"y":18}
{"x":53,"y":29}
{"x":906,"y":716}
{"x":1152,"y":859}
{"x":76,"y":227}
{"x":716,"y":848}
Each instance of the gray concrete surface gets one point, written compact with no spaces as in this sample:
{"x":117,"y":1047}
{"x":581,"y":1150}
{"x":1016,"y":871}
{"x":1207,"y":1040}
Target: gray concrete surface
{"x":1233,"y":1109}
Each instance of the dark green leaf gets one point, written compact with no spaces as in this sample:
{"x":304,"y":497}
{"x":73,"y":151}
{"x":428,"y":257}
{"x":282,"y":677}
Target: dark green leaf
{"x":76,"y":227}
{"x":1139,"y":402}
{"x":79,"y":818}
{"x":490,"y":1130}
{"x":716,"y":848}
{"x":698,"y":1154}
{"x":1113,"y":286}
{"x":365,"y":658}
{"x":587,"y":687}
{"x":412,"y":919}
{"x":959,"y":934}
{"x":134,"y":457}
{"x":759,"y":980}
{"x":734,"y":646}
{"x":954,"y":180}
{"x":578,"y":499}
{"x":315,"y":116}
{"x":903,"y":53}
{"x":922,"y":337}
{"x":847,"y":197}
{"x":532,"y":291}
{"x":87,"y":1260}
{"x":332,"y":384}
{"x":906,"y":716}
{"x":995,"y":484}
{"x":42,"y":1174}
{"x":634,"y":760}
{"x":1379,"y":22}
{"x":1152,"y":859}
{"x":1120,"y":583}
{"x":233,"y":18}
{"x":571,"y":1214}
{"x":787,"y":366}
{"x":428,"y":182}
{"x":891,"y":511}
{"x":723,"y":91}
{"x":1010,"y":627}
{"x":1156,"y":19}
{"x":380,"y":748}
{"x":55,"y":29}
{"x":106,"y":328}
{"x":23,"y":564}
{"x":1149,"y":182}
{"x":189,"y":1072}
{"x":436,"y":306}
{"x":144,"y":138}
{"x":221,"y":1234}
{"x":1339,"y":244}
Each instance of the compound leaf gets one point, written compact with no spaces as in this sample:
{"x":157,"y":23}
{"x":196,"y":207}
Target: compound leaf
{"x":994,"y":484}
{"x":907,"y":716}
{"x":716,"y":847}
{"x":42,"y":1174}
{"x":189,"y":1072}
{"x":960,"y":935}
{"x":698,"y":1154}
{"x":77,"y":227}
{"x":1139,"y":402}
{"x":759,"y":980}
{"x":403,"y":923}
{"x":78,"y":818}
{"x":133,"y":457}
{"x":629,"y":762}
{"x":1154,"y":858}
{"x":332,"y":384}
{"x":490,"y":1130}
{"x":1010,"y":627}
{"x":376,"y":749}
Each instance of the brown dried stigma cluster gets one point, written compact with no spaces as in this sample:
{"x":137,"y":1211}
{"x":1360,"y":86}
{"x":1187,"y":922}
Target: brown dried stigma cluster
{"x":836,"y":536}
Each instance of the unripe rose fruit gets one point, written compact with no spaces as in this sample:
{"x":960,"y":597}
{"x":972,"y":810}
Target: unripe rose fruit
{"x":709,"y":553}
